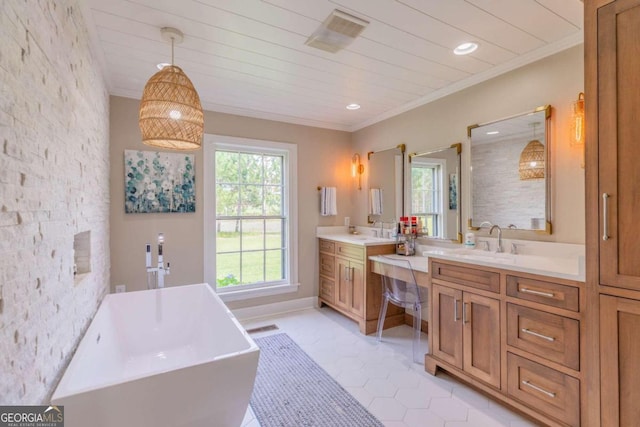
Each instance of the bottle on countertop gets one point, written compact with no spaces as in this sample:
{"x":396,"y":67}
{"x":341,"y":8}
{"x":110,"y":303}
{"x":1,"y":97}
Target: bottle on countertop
{"x":470,"y":240}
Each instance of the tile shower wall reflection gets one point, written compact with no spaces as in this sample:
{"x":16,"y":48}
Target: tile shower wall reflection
{"x":499,"y":196}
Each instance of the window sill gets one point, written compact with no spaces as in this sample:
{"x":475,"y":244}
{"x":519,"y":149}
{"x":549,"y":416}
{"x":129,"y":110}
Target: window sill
{"x":242,"y":294}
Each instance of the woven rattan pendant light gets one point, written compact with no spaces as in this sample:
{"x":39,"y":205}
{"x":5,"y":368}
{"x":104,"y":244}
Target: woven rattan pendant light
{"x":532,"y":159}
{"x":170,"y":112}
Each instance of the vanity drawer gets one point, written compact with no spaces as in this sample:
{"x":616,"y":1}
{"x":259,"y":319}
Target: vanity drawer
{"x":327,"y":289}
{"x":327,"y":246}
{"x":475,"y":278}
{"x":544,"y":389}
{"x":350,"y":251}
{"x":327,"y":265}
{"x":547,"y":335}
{"x":547,"y":293}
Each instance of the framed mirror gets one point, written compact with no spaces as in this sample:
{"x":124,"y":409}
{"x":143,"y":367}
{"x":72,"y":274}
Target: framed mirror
{"x":510,"y":182}
{"x":435,"y":192}
{"x":386,"y":184}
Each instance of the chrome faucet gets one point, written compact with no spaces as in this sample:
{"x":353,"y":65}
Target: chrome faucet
{"x":499,"y":248}
{"x":381,"y":233}
{"x":155,"y":275}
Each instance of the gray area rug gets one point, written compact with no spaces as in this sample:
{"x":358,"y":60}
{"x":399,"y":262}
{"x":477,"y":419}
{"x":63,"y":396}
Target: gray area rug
{"x":292,"y":390}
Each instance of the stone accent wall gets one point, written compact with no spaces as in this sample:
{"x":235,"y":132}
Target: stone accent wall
{"x":54,"y":183}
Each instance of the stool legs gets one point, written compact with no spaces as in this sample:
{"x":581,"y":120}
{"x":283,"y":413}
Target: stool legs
{"x":417,"y":327}
{"x":383,"y":314}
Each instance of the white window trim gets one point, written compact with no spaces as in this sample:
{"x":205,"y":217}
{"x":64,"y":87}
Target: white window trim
{"x":444,"y":187}
{"x":211,"y":144}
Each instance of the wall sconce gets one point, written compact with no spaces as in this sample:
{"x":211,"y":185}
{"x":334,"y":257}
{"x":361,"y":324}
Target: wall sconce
{"x":577,"y":121}
{"x":171,"y":115}
{"x":357,"y":169}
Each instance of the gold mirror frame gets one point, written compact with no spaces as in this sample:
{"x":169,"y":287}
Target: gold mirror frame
{"x":548,"y":178}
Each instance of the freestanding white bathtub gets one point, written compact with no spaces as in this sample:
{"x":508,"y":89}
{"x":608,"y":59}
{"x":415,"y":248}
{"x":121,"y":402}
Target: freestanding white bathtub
{"x":172,"y":357}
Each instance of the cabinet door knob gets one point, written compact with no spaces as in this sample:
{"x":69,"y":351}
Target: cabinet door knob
{"x":455,"y":310}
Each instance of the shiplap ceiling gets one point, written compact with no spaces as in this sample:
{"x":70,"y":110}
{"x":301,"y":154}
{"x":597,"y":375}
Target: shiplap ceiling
{"x":249,"y":57}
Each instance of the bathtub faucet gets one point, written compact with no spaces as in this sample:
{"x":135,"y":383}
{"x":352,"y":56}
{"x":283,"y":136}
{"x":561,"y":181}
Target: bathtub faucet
{"x":155,"y":275}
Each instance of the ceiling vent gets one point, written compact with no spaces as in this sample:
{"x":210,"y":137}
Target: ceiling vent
{"x":336,"y":32}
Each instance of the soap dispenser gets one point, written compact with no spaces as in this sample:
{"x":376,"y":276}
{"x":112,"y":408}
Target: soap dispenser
{"x":470,"y":240}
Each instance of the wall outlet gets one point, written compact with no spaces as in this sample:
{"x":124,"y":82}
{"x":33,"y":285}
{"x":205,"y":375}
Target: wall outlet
{"x":347,"y":221}
{"x":120,"y":289}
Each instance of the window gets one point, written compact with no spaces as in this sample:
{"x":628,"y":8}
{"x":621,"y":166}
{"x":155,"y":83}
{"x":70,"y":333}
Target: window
{"x":426,"y":191}
{"x":249,"y":221}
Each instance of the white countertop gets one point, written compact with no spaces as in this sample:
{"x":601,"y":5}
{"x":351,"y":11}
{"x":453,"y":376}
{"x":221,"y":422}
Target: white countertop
{"x":358,"y":239}
{"x":561,"y":260}
{"x":571,"y":268}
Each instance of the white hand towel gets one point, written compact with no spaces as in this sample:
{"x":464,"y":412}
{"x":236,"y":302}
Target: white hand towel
{"x":375,"y":201}
{"x":328,"y":203}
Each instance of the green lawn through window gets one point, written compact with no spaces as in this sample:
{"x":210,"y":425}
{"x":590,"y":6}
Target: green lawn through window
{"x":229,"y":263}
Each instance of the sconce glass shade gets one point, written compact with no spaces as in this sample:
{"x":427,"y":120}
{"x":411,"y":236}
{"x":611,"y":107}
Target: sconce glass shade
{"x":357,"y":169}
{"x":532,"y":161}
{"x":171,"y":115}
{"x":577,"y":121}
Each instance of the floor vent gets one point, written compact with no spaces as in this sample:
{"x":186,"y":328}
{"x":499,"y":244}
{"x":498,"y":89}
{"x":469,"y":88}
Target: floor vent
{"x":263,"y":329}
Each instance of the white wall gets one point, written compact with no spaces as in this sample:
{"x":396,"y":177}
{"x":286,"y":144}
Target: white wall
{"x":324,"y":159}
{"x":556,"y":80}
{"x":54,"y":183}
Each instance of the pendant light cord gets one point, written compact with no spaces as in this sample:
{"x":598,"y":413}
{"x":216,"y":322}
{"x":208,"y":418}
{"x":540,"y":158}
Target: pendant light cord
{"x":172,"y":40}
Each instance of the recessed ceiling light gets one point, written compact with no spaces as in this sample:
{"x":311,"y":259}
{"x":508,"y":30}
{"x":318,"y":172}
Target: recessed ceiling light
{"x":353,"y":106}
{"x":465,"y":48}
{"x":162,"y":65}
{"x":493,"y":132}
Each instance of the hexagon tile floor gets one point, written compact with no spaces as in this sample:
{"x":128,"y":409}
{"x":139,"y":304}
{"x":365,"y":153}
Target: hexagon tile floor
{"x":382,"y":375}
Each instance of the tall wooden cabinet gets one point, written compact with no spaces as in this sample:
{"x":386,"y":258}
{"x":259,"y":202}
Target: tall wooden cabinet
{"x":612,"y":92}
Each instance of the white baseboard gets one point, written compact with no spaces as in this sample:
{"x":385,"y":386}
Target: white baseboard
{"x":265,"y":310}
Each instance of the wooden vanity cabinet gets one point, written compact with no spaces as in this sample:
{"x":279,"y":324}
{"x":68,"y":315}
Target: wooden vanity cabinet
{"x":350,"y":286}
{"x":466,"y":317}
{"x":612,"y":93}
{"x":347,"y":284}
{"x":466,"y":338}
{"x":516,"y":336}
{"x":327,"y":282}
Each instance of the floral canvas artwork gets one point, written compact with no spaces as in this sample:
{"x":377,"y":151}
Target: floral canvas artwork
{"x":159,"y":182}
